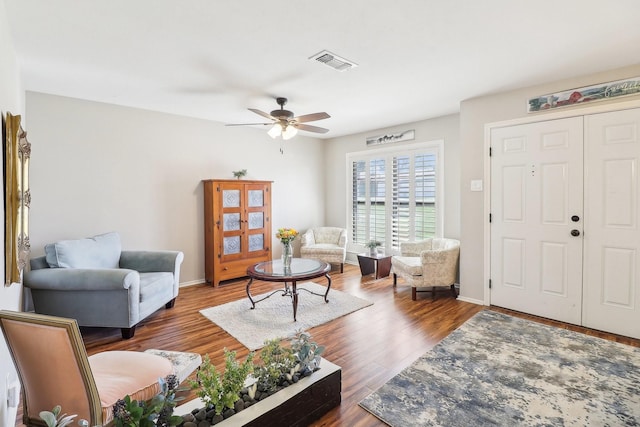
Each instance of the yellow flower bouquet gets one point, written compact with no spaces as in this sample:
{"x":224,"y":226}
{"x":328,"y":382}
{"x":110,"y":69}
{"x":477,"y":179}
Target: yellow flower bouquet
{"x":286,"y":235}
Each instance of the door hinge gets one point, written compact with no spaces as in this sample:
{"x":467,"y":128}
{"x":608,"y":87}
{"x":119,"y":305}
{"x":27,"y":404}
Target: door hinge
{"x":489,"y":283}
{"x":490,"y":217}
{"x":490,"y":151}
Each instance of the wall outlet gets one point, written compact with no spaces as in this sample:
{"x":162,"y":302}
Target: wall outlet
{"x":13,"y":394}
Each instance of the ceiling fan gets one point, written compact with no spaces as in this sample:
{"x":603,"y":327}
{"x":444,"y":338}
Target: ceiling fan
{"x":285,"y":124}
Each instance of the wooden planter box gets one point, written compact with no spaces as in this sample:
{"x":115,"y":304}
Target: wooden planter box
{"x":297,"y":405}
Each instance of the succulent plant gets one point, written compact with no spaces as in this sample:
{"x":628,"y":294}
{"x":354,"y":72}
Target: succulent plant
{"x":306,"y":351}
{"x":53,"y":418}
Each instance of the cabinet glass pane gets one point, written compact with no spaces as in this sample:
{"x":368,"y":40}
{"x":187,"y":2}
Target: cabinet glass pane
{"x":230,"y":198}
{"x":231,"y":245}
{"x":256,"y":242}
{"x":256,"y":220}
{"x":256,"y":198}
{"x":231,"y":222}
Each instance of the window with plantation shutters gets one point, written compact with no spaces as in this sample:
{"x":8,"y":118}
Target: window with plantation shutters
{"x":413,"y":202}
{"x":359,"y":215}
{"x":377,"y":199}
{"x":400,"y":192}
{"x":395,"y":195}
{"x":368,"y":189}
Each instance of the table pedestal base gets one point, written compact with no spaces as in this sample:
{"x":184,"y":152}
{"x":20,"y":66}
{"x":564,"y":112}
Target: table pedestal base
{"x":289,"y":290}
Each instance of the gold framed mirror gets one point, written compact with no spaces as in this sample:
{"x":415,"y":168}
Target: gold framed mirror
{"x":17,"y":199}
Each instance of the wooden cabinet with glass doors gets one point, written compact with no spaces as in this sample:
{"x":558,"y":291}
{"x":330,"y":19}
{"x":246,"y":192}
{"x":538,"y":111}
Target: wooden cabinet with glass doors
{"x":237,"y":227}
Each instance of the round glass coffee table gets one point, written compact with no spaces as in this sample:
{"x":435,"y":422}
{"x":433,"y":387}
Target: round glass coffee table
{"x":301,"y":269}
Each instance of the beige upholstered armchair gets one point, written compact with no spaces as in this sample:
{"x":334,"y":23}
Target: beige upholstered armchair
{"x":328,"y":244}
{"x":431,"y":263}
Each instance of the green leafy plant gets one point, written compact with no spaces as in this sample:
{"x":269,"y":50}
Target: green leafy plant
{"x":277,"y":361}
{"x":239,"y":174}
{"x":53,"y":418}
{"x":222,"y":391}
{"x":372,"y":244}
{"x":155,"y":412}
{"x":307,"y":352}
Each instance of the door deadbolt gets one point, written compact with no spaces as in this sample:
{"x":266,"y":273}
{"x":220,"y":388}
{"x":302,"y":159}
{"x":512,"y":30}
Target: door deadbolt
{"x":575,"y":233}
{"x":575,"y":218}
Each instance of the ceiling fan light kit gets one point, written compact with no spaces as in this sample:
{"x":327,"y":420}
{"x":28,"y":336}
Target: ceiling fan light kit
{"x":289,"y":132}
{"x":285,"y":124}
{"x":279,"y":129}
{"x":275,"y":131}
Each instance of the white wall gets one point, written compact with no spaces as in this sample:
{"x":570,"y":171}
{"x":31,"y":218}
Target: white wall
{"x":474,"y":114}
{"x":442,"y":128}
{"x":11,"y":100}
{"x":99,"y":167}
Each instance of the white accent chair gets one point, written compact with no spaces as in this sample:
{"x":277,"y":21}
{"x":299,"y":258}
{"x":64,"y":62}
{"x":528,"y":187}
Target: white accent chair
{"x":328,"y":244}
{"x":431,"y":263}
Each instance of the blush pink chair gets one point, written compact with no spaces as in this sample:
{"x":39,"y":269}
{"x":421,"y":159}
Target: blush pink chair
{"x":54,"y":369}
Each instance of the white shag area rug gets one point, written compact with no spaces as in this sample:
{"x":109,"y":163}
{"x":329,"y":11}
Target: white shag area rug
{"x":273,"y":317}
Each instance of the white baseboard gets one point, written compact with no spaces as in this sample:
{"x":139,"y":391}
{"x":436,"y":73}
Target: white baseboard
{"x":192,"y":282}
{"x":471,"y":300}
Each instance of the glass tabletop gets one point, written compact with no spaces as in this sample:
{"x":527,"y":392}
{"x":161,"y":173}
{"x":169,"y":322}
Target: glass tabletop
{"x":300,"y":267}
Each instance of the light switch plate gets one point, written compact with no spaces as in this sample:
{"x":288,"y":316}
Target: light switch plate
{"x":476,"y":185}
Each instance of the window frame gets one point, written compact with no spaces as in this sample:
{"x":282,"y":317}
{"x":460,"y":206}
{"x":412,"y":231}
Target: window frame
{"x":388,"y":153}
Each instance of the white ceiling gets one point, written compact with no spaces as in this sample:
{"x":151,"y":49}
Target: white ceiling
{"x":214,"y":59}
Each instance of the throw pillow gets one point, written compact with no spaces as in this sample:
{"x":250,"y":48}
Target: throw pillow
{"x":101,"y":251}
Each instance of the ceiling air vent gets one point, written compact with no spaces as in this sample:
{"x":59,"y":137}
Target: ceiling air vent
{"x":333,"y":61}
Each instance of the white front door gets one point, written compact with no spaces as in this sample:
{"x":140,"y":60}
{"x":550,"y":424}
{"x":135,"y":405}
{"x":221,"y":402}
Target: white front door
{"x":536,"y":203}
{"x":612,"y":241}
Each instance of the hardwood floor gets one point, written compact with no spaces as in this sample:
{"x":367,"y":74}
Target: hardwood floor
{"x":371,"y":345}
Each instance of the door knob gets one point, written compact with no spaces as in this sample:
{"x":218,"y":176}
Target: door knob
{"x":575,"y":233}
{"x":575,"y":218}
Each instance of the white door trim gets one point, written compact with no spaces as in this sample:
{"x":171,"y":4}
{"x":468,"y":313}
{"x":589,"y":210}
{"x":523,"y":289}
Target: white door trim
{"x":539,"y":117}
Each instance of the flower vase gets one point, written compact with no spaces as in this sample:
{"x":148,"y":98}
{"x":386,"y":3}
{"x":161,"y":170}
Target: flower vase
{"x":287,"y":255}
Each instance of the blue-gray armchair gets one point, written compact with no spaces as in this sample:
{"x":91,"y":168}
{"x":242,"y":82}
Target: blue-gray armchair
{"x":93,"y":281}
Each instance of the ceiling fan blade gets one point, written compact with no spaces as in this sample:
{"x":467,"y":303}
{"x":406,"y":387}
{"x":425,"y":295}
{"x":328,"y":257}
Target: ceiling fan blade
{"x":310,"y":128}
{"x":311,"y":117}
{"x":248,"y":124}
{"x":262,"y":113}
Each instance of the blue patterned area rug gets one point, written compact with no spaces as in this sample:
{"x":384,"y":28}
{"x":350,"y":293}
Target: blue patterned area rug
{"x":498,"y":370}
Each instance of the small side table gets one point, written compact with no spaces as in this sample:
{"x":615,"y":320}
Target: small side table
{"x":379,"y":264}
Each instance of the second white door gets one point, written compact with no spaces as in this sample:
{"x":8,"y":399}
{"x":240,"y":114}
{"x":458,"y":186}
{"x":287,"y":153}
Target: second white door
{"x":612,"y":242}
